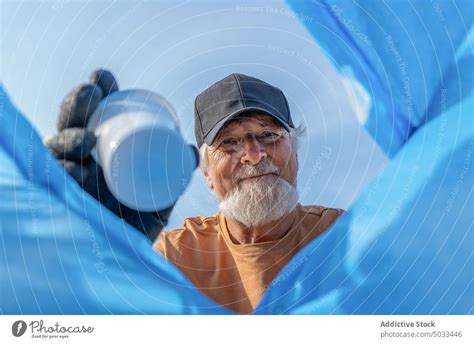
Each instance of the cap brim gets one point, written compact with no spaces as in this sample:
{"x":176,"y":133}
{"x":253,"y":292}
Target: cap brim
{"x":210,"y":137}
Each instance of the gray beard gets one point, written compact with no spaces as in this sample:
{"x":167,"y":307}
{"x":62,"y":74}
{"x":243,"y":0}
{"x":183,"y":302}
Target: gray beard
{"x":260,"y":201}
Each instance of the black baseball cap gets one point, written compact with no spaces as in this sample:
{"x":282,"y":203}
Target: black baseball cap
{"x":233,"y":96}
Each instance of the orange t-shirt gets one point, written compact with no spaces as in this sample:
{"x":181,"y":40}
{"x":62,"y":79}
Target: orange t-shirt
{"x":237,"y":275}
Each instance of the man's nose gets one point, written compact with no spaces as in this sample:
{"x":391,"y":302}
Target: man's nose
{"x":253,"y":152}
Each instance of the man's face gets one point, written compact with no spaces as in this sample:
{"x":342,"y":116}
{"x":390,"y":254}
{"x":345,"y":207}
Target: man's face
{"x":248,"y":141}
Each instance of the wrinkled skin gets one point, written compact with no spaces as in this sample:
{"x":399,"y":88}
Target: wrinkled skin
{"x":73,"y":144}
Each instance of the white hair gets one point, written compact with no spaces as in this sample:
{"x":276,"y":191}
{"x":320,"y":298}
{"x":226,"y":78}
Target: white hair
{"x":295,"y":135}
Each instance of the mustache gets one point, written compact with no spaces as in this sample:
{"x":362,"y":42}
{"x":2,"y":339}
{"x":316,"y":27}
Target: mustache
{"x":263,"y":167}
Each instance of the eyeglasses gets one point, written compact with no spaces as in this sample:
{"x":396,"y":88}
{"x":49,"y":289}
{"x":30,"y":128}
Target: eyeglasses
{"x":232,"y":144}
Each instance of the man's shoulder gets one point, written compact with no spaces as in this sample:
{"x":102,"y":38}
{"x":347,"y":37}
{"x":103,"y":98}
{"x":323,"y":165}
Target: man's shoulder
{"x":319,"y":210}
{"x":318,"y":218}
{"x":193,"y":228}
{"x":201,"y":224}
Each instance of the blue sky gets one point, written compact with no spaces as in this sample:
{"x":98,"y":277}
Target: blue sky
{"x":177,"y":49}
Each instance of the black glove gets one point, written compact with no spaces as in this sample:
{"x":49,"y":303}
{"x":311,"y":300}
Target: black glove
{"x":73,"y":145}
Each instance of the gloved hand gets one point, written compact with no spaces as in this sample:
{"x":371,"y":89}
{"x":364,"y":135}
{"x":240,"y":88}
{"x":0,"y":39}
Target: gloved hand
{"x":73,"y":145}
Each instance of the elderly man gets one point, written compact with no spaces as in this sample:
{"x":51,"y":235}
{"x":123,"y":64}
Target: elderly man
{"x":248,"y":147}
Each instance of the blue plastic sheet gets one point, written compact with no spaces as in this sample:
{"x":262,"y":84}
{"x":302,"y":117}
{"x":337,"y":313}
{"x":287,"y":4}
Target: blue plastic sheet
{"x":404,"y":247}
{"x":406,"y":54}
{"x":61,"y":252}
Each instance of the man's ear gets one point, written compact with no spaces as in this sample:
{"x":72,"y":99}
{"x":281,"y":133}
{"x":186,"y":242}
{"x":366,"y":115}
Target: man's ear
{"x":208,"y":179}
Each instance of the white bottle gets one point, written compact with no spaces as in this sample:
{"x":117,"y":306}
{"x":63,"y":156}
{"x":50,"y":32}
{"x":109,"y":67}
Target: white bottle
{"x":146,"y":162}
